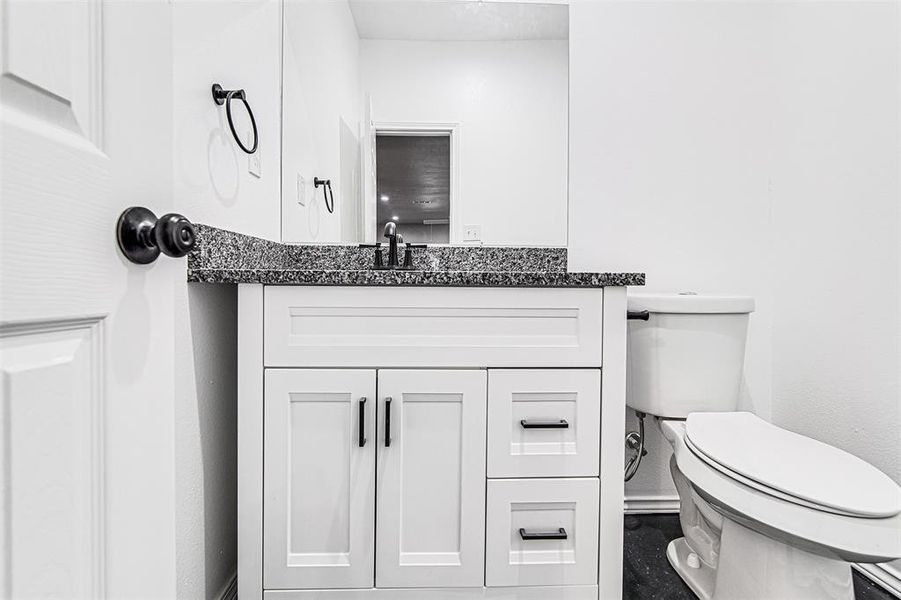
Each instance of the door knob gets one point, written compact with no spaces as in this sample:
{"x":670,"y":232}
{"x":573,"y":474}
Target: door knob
{"x":142,"y":236}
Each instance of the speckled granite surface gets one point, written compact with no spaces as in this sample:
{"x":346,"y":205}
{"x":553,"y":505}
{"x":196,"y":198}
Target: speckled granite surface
{"x":223,"y":256}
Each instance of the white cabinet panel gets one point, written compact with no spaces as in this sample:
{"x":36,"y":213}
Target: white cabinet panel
{"x":542,"y":532}
{"x":431,"y":479}
{"x":319,"y":482}
{"x":432,"y":327}
{"x":544,"y":423}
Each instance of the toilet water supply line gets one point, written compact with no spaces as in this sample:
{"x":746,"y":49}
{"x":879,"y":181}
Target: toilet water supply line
{"x":635,"y":442}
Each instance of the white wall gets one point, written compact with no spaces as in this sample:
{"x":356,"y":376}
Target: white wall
{"x":322,"y":111}
{"x":668,"y":163}
{"x":836,"y":193}
{"x":511,"y":100}
{"x":141,"y":526}
{"x":753,"y":148}
{"x":238,"y":45}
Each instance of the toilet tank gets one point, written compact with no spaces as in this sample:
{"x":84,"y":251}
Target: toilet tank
{"x":688,"y":356}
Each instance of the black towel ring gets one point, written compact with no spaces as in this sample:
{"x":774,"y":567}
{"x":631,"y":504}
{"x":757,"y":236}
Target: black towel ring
{"x":221,"y":97}
{"x":326,"y":184}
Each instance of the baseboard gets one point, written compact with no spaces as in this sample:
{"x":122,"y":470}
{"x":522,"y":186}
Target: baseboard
{"x":641,"y":505}
{"x":230,"y":591}
{"x":884,"y":575}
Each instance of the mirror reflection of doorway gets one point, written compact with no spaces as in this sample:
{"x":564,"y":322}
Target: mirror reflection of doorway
{"x":413,"y":185}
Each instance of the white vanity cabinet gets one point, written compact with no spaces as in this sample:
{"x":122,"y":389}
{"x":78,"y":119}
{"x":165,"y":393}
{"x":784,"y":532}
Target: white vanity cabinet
{"x":430,"y":443}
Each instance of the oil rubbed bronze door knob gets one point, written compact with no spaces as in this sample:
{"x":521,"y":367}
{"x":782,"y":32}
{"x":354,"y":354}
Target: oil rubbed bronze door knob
{"x":142,"y":236}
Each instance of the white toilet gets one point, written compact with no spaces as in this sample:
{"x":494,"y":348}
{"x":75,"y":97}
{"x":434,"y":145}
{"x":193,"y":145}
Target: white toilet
{"x":766,"y":513}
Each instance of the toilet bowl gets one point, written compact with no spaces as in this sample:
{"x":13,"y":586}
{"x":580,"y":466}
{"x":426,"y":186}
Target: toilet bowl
{"x":765,"y":513}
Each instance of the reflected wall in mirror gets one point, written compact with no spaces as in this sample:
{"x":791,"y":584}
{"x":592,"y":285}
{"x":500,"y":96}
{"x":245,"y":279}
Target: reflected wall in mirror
{"x":448,"y":118}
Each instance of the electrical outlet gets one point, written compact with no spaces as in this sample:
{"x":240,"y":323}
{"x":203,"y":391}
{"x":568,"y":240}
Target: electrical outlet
{"x":301,"y":190}
{"x":254,"y":162}
{"x":472,"y":233}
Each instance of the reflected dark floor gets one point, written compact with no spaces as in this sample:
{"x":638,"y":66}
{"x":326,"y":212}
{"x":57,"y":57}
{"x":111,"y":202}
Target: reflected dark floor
{"x":647,"y":575}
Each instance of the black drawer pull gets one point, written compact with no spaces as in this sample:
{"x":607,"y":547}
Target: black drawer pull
{"x":387,"y":421}
{"x":529,"y":536}
{"x":555,"y":424}
{"x":362,"y":434}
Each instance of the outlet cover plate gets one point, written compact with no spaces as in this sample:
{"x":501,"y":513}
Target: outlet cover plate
{"x":472,"y":233}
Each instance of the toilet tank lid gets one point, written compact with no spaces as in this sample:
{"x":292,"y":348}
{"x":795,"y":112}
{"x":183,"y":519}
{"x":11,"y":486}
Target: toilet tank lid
{"x":690,"y":303}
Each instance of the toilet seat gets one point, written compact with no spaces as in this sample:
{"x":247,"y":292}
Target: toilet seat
{"x":852,"y":539}
{"x":791,"y":467}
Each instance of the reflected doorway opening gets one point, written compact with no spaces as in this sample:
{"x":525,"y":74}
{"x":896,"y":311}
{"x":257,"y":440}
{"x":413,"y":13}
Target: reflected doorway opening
{"x":415,"y":182}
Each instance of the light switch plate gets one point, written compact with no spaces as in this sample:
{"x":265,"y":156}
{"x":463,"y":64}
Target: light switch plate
{"x":301,"y":190}
{"x":255,"y":162}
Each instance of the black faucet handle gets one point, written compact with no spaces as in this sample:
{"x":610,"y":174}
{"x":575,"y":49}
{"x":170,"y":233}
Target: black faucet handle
{"x":378,"y":263}
{"x":408,"y":254}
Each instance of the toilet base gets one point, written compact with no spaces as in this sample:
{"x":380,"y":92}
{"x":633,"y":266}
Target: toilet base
{"x":701,"y":579}
{"x":753,"y":566}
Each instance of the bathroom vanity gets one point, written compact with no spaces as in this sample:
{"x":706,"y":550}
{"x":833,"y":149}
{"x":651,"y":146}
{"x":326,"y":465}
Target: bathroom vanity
{"x":428,"y":434}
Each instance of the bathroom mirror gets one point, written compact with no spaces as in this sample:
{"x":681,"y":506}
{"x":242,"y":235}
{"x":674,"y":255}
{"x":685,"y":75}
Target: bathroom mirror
{"x":447,"y":117}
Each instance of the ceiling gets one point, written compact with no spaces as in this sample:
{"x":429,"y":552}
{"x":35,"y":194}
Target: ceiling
{"x":460,"y":20}
{"x":414,"y":172}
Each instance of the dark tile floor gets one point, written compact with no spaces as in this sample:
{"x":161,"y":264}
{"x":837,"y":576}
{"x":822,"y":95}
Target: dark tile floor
{"x":647,"y":574}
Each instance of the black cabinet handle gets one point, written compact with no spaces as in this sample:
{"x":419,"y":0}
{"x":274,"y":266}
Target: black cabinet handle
{"x":387,"y":421}
{"x":555,"y":424}
{"x":528,"y":536}
{"x":362,"y":433}
{"x":638,"y":315}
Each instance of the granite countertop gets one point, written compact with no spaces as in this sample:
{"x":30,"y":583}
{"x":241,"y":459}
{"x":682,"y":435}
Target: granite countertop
{"x":222,"y":256}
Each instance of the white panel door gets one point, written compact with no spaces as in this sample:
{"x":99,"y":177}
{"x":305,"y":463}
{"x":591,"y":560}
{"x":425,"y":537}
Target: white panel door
{"x":431,"y":479}
{"x":318,"y":478}
{"x":86,"y":344}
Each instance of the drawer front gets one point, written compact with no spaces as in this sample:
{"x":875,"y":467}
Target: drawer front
{"x":542,"y":532}
{"x":422,"y":327}
{"x":544,"y":423}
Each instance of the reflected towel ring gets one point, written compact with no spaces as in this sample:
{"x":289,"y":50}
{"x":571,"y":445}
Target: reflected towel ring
{"x":326,"y":184}
{"x":220,"y":97}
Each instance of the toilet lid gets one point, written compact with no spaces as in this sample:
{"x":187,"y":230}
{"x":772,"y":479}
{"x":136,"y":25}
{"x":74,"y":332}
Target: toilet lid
{"x":793,"y":465}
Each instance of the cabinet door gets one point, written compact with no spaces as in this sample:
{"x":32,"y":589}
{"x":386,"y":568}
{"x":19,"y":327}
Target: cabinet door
{"x":318,"y":480}
{"x":431,"y":479}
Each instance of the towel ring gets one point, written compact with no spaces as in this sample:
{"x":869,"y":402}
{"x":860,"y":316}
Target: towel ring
{"x":326,"y":184}
{"x":220,"y":97}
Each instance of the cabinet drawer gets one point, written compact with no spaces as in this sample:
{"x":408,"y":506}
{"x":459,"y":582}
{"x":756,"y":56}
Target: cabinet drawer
{"x":544,"y":423}
{"x":542,"y":532}
{"x":421,"y":327}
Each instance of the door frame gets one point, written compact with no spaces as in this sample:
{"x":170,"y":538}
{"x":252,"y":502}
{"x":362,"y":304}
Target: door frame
{"x":454,"y":130}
